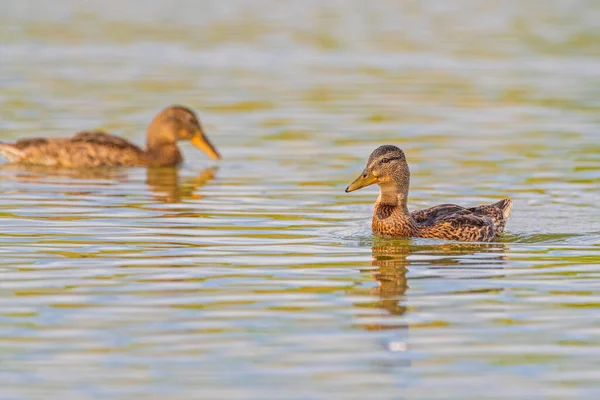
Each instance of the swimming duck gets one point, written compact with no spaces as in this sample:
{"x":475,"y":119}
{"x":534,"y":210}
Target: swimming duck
{"x":96,"y":148}
{"x":388,"y":168}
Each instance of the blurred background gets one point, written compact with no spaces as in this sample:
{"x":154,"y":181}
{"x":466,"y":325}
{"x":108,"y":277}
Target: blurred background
{"x":258,"y":276}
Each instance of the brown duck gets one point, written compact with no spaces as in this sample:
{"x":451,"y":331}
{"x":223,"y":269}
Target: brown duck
{"x":388,"y":168}
{"x":96,"y":148}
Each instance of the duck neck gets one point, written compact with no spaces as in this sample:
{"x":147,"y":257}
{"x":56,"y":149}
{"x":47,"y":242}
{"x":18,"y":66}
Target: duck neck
{"x":391,"y":194}
{"x":390,"y":215}
{"x":161,"y":151}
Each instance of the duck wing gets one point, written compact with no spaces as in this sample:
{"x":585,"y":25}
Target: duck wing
{"x":430,"y":215}
{"x":453,"y":222}
{"x":103,"y":138}
{"x":450,"y":221}
{"x":85,"y":149}
{"x":499,"y":213}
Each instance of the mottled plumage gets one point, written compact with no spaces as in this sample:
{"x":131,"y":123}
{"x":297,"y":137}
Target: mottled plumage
{"x":388,"y":168}
{"x":96,"y":148}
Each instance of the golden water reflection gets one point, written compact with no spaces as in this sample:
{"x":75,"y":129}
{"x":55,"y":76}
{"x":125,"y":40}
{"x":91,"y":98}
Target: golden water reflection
{"x":168,"y":187}
{"x":394,"y":258}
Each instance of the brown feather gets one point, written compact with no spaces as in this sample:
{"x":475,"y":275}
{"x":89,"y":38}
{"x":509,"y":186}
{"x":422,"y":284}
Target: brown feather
{"x":100,"y":137}
{"x":388,"y":168}
{"x":97,"y":148}
{"x":446,"y":221}
{"x":88,"y":149}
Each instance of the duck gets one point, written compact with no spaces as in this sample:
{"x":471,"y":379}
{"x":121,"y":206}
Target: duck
{"x":388,"y":168}
{"x":98,"y":148}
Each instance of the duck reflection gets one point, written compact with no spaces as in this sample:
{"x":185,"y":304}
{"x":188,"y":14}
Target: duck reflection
{"x":168,"y":187}
{"x":393,"y":258}
{"x":165,"y":184}
{"x":26,"y":173}
{"x":391,"y":262}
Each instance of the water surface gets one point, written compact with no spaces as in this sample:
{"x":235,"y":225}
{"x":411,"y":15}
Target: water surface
{"x":258,"y":276}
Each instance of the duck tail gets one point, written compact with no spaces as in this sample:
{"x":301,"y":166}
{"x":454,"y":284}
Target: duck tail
{"x":505,"y":205}
{"x":10,"y":152}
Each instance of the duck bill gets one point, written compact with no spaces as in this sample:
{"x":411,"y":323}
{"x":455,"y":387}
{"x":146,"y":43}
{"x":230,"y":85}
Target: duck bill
{"x":365,"y":179}
{"x":201,"y":142}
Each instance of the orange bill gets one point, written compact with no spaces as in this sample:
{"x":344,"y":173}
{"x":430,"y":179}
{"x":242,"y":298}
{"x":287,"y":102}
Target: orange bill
{"x":201,"y":142}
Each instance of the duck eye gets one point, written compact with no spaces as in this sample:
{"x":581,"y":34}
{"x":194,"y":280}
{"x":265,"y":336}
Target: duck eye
{"x":385,"y":160}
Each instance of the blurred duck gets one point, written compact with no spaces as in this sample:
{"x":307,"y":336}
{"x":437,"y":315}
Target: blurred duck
{"x":388,"y":168}
{"x":96,"y":148}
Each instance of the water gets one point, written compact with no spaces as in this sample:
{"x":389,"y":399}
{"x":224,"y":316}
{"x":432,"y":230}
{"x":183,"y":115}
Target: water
{"x":258,"y":276}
